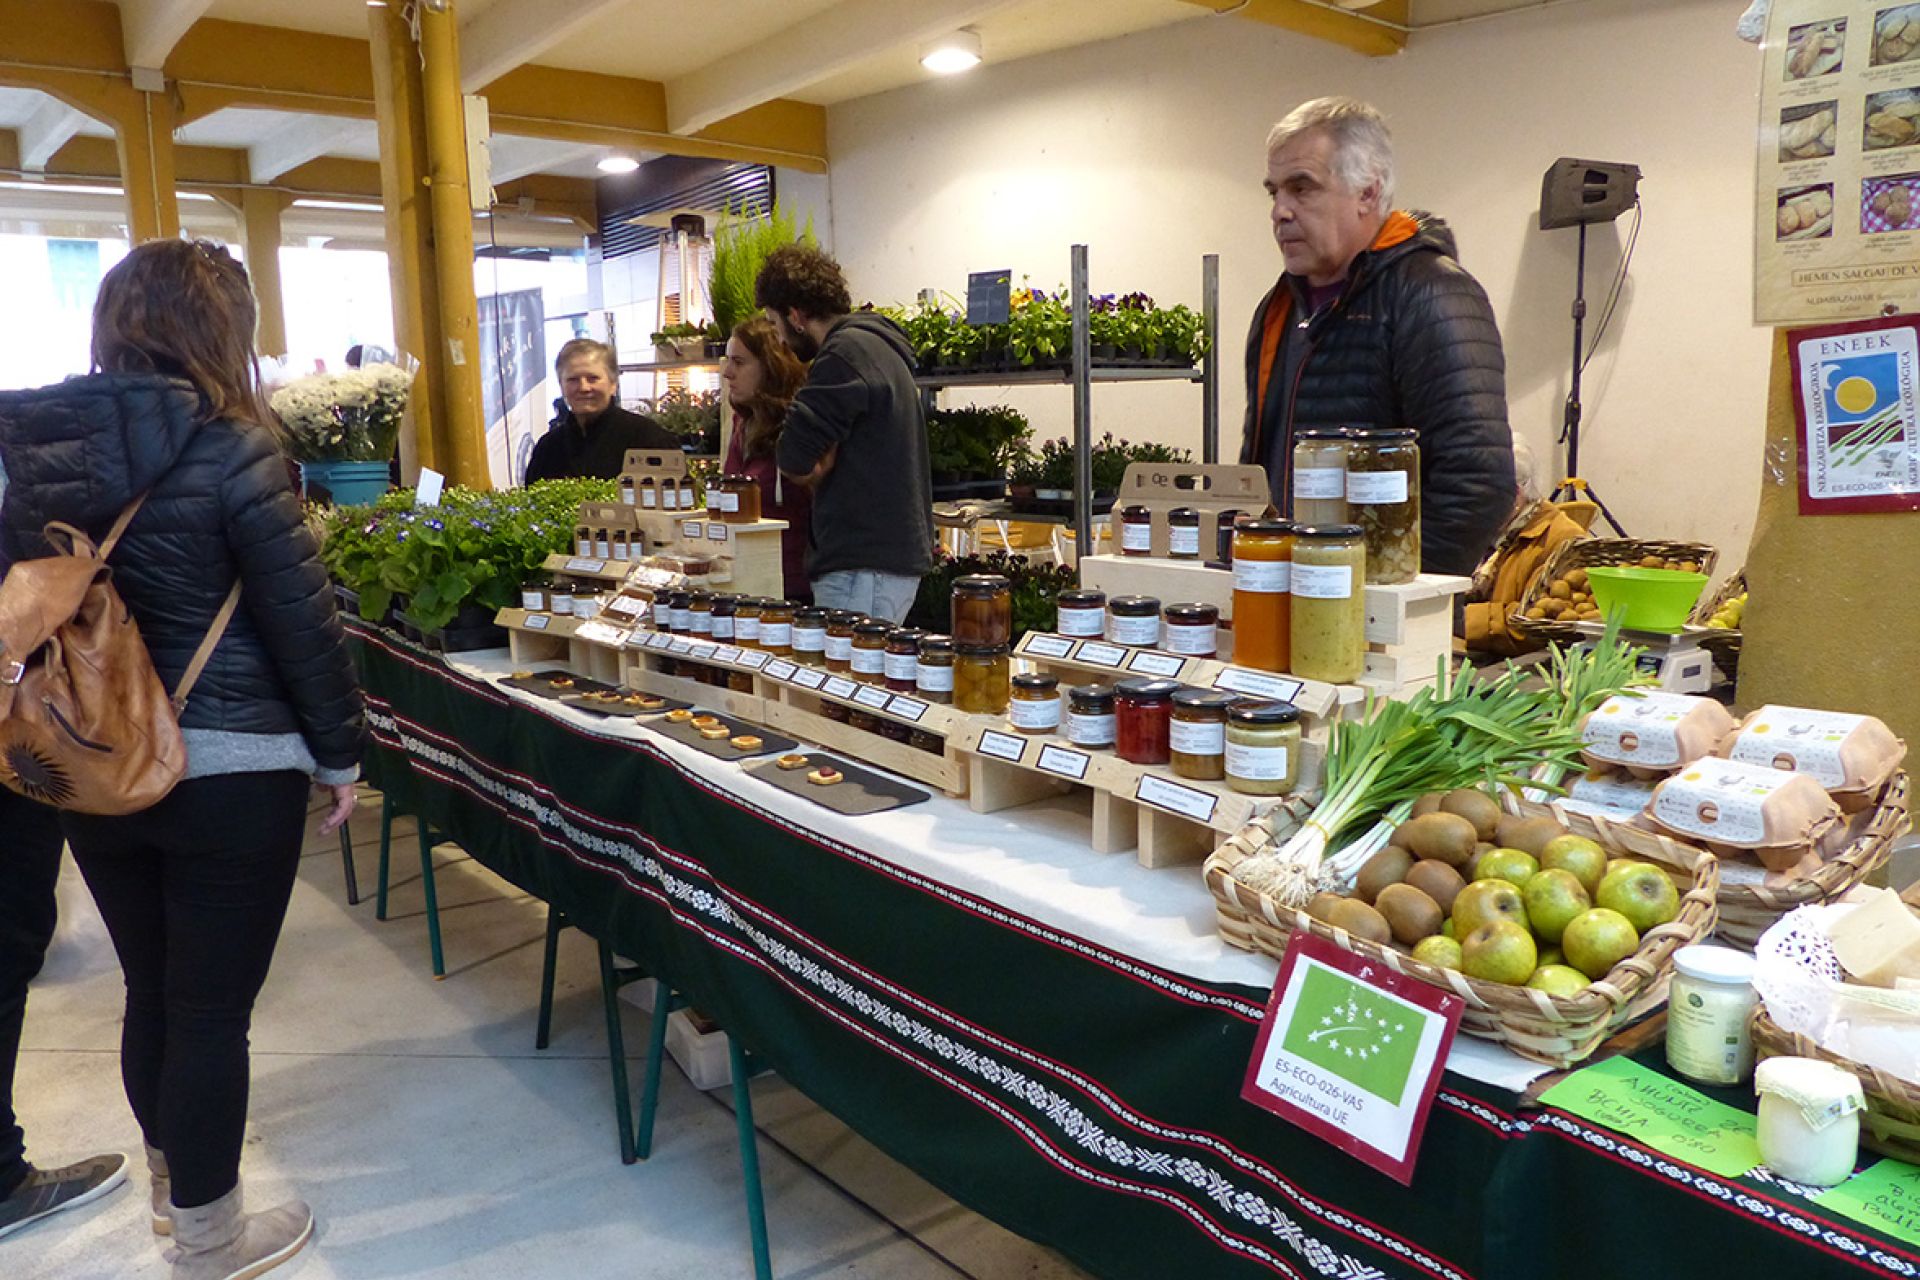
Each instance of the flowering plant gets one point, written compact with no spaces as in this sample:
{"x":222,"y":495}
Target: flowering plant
{"x":345,"y":417}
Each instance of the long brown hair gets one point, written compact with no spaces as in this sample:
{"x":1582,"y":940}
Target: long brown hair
{"x":184,"y":308}
{"x":782,"y":377}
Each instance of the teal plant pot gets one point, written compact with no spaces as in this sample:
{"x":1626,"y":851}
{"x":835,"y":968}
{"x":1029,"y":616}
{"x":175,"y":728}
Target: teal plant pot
{"x":352,"y":484}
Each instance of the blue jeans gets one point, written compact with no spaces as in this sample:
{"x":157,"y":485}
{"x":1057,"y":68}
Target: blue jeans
{"x":887,"y":596}
{"x":30,"y":846}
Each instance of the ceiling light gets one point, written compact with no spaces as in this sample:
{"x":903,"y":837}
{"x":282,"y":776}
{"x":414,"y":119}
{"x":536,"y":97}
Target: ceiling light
{"x":949,"y":54}
{"x":619,"y":164}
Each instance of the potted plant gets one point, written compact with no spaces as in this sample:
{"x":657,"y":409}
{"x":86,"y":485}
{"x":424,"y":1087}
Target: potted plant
{"x":1182,"y":334}
{"x":343,"y":428}
{"x":693,"y":416}
{"x":1034,"y":585}
{"x":741,"y":244}
{"x":1039,"y":330}
{"x":1023,"y":476}
{"x":971,"y":449}
{"x":680,"y":342}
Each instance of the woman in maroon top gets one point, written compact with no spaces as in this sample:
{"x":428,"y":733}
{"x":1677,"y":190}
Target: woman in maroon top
{"x":762,"y":376}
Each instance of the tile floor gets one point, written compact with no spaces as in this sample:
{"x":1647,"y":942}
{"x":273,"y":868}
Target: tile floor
{"x":432,"y":1139}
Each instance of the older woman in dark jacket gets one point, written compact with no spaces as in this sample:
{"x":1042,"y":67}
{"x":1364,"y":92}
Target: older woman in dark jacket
{"x":194,"y":889}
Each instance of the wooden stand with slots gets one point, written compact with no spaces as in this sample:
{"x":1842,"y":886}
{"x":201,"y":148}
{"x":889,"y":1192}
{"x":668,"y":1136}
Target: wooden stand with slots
{"x":746,"y":556}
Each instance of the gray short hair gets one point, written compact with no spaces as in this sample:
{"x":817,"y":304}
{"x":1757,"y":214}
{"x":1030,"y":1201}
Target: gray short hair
{"x":593,"y":350}
{"x":1362,"y":144}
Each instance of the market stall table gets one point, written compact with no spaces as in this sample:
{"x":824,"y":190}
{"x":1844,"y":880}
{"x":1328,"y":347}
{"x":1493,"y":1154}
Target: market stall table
{"x":1055,"y":1037}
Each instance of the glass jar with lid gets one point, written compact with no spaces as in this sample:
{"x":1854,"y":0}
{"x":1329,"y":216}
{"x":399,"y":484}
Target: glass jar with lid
{"x":834,"y":711}
{"x":1143,"y":716}
{"x":982,"y":609}
{"x":865,"y":721}
{"x":870,"y":651}
{"x":722,"y":618}
{"x":1133,"y":621}
{"x":583,"y":542}
{"x":560,"y":601}
{"x":982,"y":678}
{"x":1383,"y":498}
{"x":933,"y":672}
{"x":1320,"y":475}
{"x":1034,"y":704}
{"x":1136,"y":531}
{"x":622,"y":546}
{"x":746,"y":621}
{"x":1263,"y":747}
{"x":700,"y":613}
{"x":1090,"y":716}
{"x":603,"y":543}
{"x":1183,"y":534}
{"x":1809,"y":1123}
{"x":1081,"y":613}
{"x":927,"y":740}
{"x":901,"y":662}
{"x":776,"y":626}
{"x":1191,"y":630}
{"x":1224,"y":525}
{"x":586,"y":601}
{"x":1262,"y":599}
{"x":533,"y":595}
{"x":648,"y":489}
{"x":839,"y":651}
{"x":734,"y":499}
{"x":1329,"y":632}
{"x":895,"y":730}
{"x":810,"y":636}
{"x":685,"y":493}
{"x":1709,"y":1006}
{"x":627,"y":490}
{"x":1197,"y":733}
{"x":679,"y":613}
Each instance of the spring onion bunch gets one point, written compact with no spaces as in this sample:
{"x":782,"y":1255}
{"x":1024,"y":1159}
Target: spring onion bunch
{"x":1579,"y":679}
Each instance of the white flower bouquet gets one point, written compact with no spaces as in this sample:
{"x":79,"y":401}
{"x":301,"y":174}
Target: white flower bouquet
{"x":345,"y":417}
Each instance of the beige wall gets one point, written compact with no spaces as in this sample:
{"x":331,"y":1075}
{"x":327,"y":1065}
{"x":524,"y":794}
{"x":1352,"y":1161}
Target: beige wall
{"x":1151,"y":149}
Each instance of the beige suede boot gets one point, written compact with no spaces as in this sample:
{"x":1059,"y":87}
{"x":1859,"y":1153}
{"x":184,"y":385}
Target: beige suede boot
{"x":162,"y":1191}
{"x":220,"y":1241}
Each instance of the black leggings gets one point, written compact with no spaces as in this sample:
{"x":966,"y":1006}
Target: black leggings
{"x":29,"y":865}
{"x":194,"y":891}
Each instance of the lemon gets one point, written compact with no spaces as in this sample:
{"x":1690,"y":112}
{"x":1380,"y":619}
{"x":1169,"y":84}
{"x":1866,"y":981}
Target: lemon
{"x":1855,"y":395}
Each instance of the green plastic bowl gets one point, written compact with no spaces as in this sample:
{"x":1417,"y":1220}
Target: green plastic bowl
{"x":1652,"y":599}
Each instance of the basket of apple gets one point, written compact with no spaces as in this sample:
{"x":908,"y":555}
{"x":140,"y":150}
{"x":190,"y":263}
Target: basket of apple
{"x":1554,"y":928}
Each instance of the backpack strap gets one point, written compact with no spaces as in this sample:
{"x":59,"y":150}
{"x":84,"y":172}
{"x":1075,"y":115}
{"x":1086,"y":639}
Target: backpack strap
{"x":204,"y":653}
{"x":120,"y":526}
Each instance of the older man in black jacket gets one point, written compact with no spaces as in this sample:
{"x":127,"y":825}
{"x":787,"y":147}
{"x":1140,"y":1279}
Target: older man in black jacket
{"x":1375,"y":324}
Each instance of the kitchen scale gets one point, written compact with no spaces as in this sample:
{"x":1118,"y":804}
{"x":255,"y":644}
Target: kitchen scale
{"x":1674,"y":660}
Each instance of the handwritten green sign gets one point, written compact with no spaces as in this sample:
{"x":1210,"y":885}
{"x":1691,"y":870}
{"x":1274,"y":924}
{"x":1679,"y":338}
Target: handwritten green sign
{"x":1885,"y":1197}
{"x":1661,"y":1113}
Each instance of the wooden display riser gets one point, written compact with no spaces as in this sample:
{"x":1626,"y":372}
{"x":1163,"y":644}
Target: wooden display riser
{"x":555,"y":641}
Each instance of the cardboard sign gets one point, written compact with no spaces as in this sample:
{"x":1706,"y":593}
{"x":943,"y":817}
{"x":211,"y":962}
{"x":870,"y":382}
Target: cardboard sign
{"x":1352,"y":1052}
{"x":427,"y":492}
{"x":1886,"y":1197}
{"x":1161,"y":487}
{"x":1857,"y":410}
{"x":1662,"y":1113}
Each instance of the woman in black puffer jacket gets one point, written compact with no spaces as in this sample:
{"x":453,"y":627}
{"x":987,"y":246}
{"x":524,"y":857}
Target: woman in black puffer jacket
{"x":194,"y":889}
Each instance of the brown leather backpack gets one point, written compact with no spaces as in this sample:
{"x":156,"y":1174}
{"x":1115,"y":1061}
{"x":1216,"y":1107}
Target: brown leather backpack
{"x":85,"y":724}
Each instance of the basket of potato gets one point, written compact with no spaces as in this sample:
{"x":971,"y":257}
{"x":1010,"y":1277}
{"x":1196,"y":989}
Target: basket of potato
{"x":1560,"y":595}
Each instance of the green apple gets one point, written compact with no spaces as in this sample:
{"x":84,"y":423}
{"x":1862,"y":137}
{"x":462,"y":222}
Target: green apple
{"x":1586,"y":859}
{"x":1515,"y":866}
{"x":1484,"y":901}
{"x":1558,"y":980}
{"x":1446,"y":927}
{"x":1553,"y":898}
{"x":1551,"y":955}
{"x":1641,"y":892}
{"x":1597,"y":940}
{"x":1499,"y":952}
{"x":1439,"y":951}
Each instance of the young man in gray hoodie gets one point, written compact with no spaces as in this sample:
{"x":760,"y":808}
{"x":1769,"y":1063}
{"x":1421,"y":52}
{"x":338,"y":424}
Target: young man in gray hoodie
{"x":855,"y":433}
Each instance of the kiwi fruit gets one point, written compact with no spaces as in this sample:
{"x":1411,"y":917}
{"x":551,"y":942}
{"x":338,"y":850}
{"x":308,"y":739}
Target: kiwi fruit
{"x":1411,"y":914}
{"x":1446,"y":836}
{"x":1360,"y":920}
{"x":1437,"y":880}
{"x":1476,"y":807}
{"x":1427,"y":804}
{"x":1530,"y":835}
{"x":1321,"y":908}
{"x":1387,"y":867}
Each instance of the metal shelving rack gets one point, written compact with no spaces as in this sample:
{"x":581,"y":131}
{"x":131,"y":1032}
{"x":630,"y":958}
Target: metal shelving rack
{"x":1081,"y":374}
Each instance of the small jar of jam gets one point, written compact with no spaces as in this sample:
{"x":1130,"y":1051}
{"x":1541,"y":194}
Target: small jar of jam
{"x":622,"y":547}
{"x":982,"y":609}
{"x":700,"y":613}
{"x":834,"y":711}
{"x":1143,"y":715}
{"x":895,"y":730}
{"x":649,"y":491}
{"x":533,"y":596}
{"x":870,"y":651}
{"x":722,"y":615}
{"x":1082,"y":613}
{"x":583,"y":542}
{"x":603,"y":544}
{"x":586,"y":601}
{"x":865,"y":721}
{"x":839,"y":647}
{"x":810,"y":636}
{"x":734,"y":499}
{"x":684,"y":493}
{"x":776,"y":626}
{"x":560,"y":600}
{"x":1090,"y":715}
{"x":746,"y":622}
{"x":933,"y":670}
{"x":1183,"y":534}
{"x":1263,"y":748}
{"x":1226,"y":523}
{"x":927,"y":740}
{"x":1136,"y":531}
{"x":679,"y":612}
{"x":1034,"y":704}
{"x":740,"y":681}
{"x":982,"y":683}
{"x":1134,"y":621}
{"x":901,"y":664}
{"x":626,"y":490}
{"x":1197,"y":733}
{"x":1191,"y":630}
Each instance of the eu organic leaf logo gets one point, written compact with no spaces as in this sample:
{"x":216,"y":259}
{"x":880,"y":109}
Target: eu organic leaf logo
{"x":1354,"y":1032}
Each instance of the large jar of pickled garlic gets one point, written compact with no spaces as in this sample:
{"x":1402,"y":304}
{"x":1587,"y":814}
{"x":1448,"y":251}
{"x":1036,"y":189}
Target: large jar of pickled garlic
{"x":1383,"y":498}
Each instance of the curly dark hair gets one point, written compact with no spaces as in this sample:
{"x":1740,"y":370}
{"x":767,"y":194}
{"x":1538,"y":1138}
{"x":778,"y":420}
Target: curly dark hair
{"x":796,"y":275}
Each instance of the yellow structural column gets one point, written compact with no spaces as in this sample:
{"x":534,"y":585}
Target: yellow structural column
{"x":400,"y":110}
{"x":260,"y":211}
{"x":143,"y":134}
{"x":462,"y":430}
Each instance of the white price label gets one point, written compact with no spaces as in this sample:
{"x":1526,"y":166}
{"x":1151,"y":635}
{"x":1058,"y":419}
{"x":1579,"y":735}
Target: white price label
{"x":1322,"y":581}
{"x":1134,"y":631}
{"x":1068,"y":764}
{"x":1096,"y":654}
{"x":721,"y":501}
{"x":1156,"y":664}
{"x":538,"y":621}
{"x":1002,"y":746}
{"x":934,"y":678}
{"x":692,"y":528}
{"x":1194,"y":641}
{"x":1174,"y":798}
{"x":1376,"y":488}
{"x":726,"y":653}
{"x":754,"y":661}
{"x":1183,"y":540}
{"x":659,"y":640}
{"x":626,"y":606}
{"x":1262,"y":577}
{"x":810,"y":679}
{"x":1047,"y":646}
{"x":1256,"y":764}
{"x":680,"y":645}
{"x":841,"y":687}
{"x":1136,"y":537}
{"x":907,"y":709}
{"x":782,"y":670}
{"x":598,"y":632}
{"x":1192,"y":739}
{"x":1258,"y":684}
{"x":1320,"y":483}
{"x":580,"y":565}
{"x":872,"y":695}
{"x":716,"y":532}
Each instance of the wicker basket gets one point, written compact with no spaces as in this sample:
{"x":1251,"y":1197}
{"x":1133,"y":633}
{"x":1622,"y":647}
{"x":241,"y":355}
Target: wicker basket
{"x":1891,"y":1124}
{"x":1585,"y":555}
{"x":1746,"y":910}
{"x":1558,"y":1030}
{"x":1722,"y":643}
